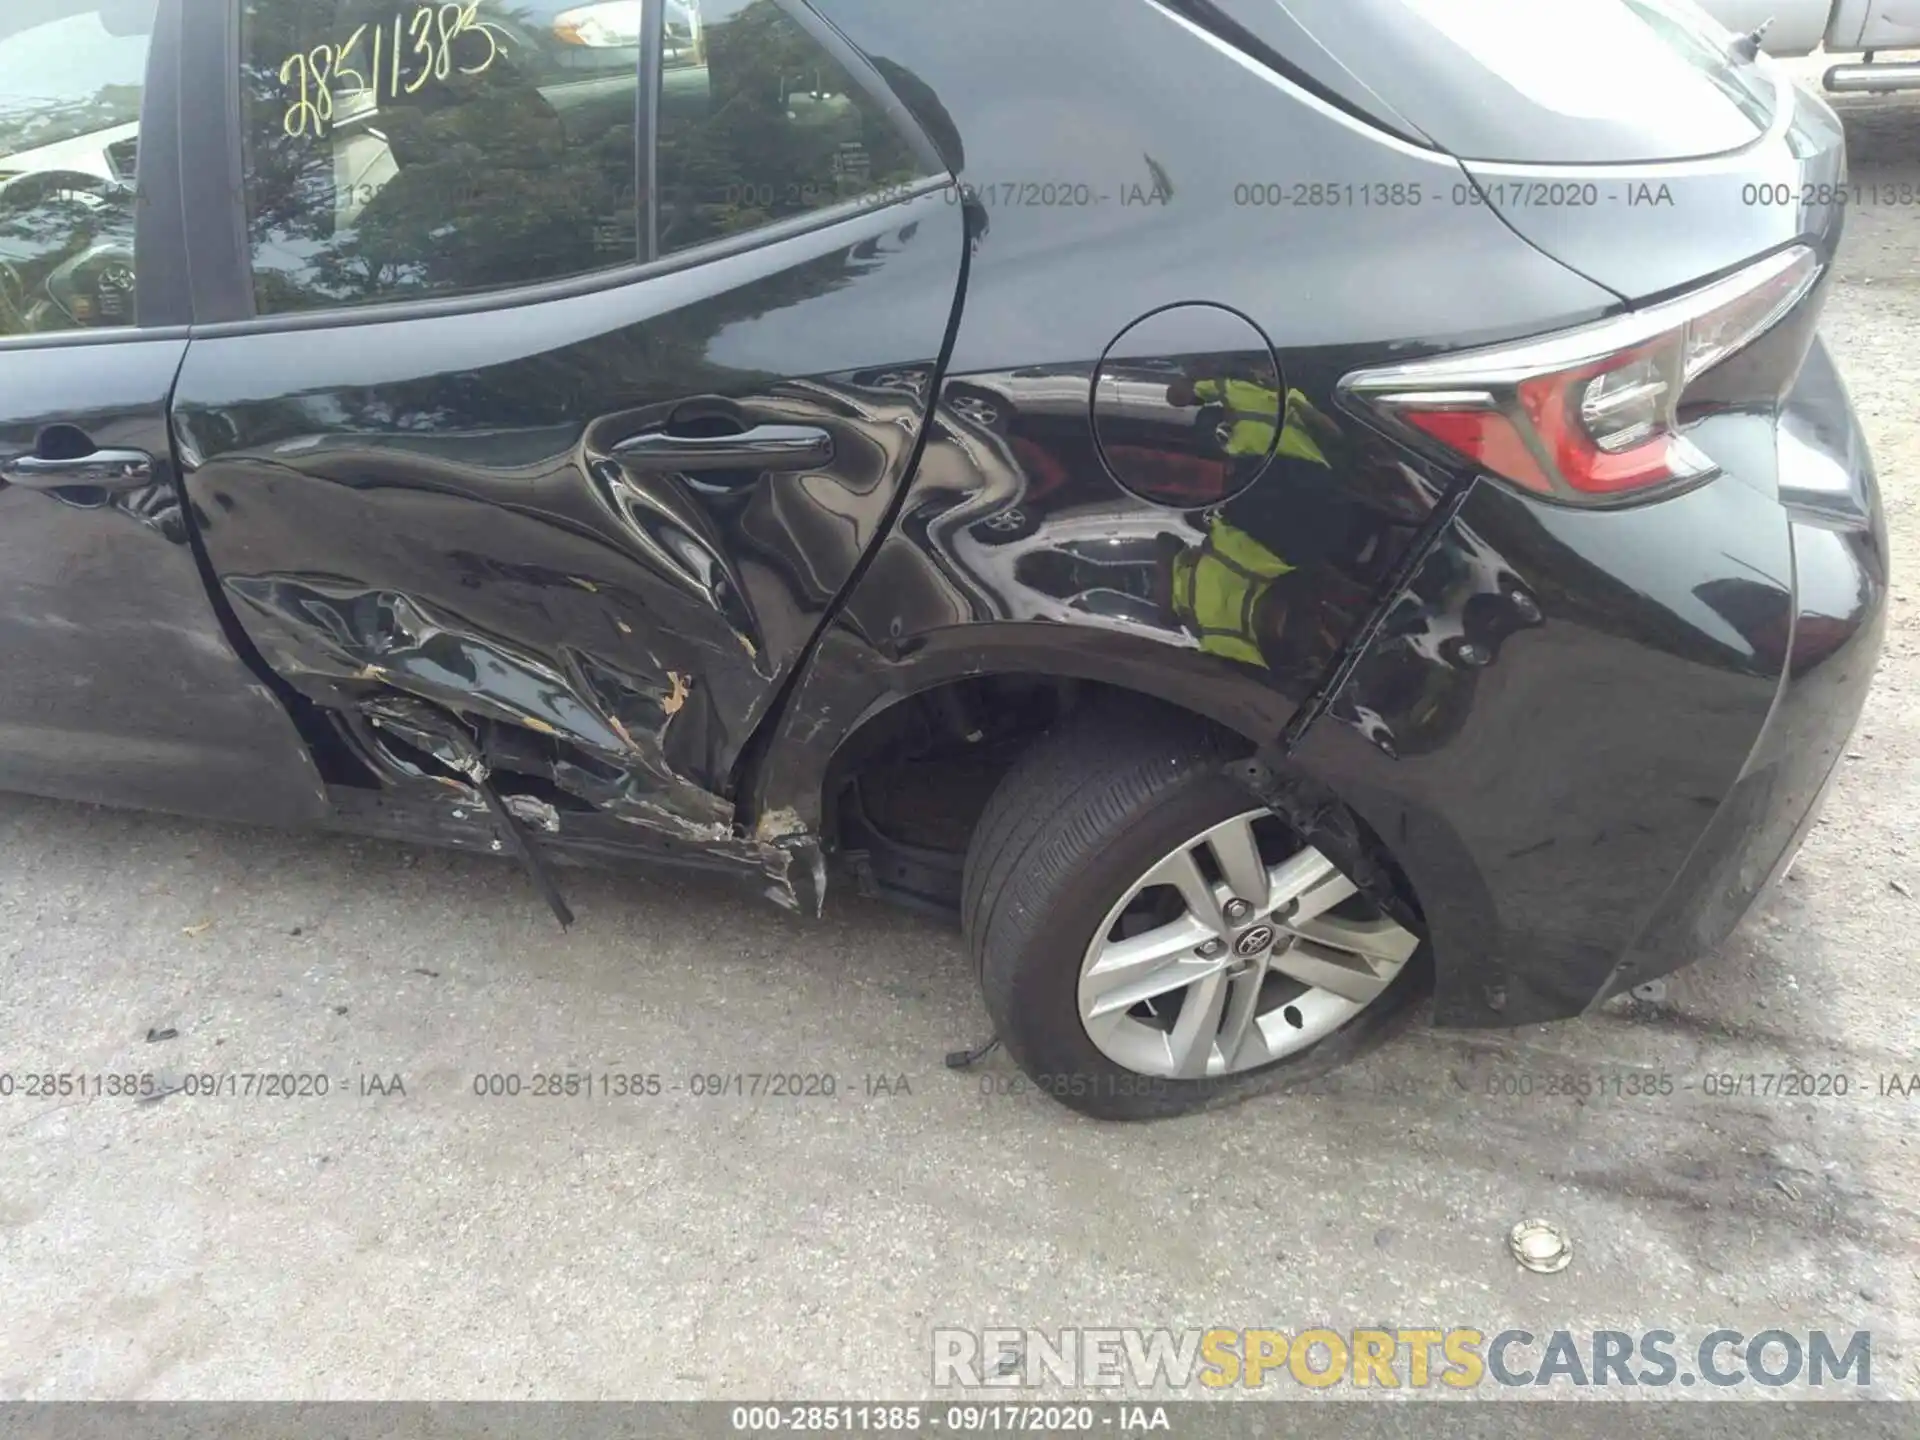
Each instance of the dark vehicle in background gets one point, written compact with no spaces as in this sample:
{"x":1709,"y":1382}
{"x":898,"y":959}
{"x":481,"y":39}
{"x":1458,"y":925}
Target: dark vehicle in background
{"x":1360,"y":510}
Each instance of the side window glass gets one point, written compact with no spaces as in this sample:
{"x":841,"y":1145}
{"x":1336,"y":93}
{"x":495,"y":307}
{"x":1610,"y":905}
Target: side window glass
{"x":759,"y":123}
{"x":401,"y":150}
{"x":72,"y":73}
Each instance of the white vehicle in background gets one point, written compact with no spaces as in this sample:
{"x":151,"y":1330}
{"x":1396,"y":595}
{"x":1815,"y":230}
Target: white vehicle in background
{"x":1843,"y":27}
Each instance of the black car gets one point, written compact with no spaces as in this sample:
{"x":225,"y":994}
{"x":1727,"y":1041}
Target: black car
{"x":1258,"y":508}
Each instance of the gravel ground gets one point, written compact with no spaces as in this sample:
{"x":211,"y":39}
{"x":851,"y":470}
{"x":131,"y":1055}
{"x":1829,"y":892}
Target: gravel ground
{"x":441,"y":1245}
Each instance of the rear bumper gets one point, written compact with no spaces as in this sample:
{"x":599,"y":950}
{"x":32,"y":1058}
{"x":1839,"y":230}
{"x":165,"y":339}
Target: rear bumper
{"x":1592,"y":739}
{"x":1759,"y":826}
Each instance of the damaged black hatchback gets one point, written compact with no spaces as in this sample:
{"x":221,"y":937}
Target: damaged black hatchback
{"x":1259,"y":509}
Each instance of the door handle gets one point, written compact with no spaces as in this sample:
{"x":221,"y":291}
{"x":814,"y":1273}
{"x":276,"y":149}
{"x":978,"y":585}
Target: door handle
{"x":102,"y":470}
{"x":765,"y":447}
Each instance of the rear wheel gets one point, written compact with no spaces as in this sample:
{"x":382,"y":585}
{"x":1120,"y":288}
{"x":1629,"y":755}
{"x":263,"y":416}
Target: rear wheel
{"x":1150,"y":941}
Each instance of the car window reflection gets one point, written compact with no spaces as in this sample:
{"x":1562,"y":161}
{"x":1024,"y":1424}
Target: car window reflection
{"x":399,"y":151}
{"x":71,"y":80}
{"x":759,"y":123}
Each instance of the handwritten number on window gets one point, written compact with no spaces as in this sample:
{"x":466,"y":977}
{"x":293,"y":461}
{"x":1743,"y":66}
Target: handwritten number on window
{"x":341,"y":70}
{"x":312,"y":109}
{"x":427,"y":38}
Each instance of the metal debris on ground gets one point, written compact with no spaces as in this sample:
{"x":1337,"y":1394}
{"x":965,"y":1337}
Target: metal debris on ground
{"x":1900,"y":888}
{"x":1539,"y":1247}
{"x":961,"y":1059}
{"x":155,"y":1036}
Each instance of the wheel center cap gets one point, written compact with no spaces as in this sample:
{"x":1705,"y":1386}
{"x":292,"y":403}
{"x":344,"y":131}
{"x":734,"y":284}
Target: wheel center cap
{"x":1254,"y":942}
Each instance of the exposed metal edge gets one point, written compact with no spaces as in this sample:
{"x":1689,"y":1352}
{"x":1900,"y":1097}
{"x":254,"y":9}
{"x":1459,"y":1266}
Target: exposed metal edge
{"x":1354,"y":651}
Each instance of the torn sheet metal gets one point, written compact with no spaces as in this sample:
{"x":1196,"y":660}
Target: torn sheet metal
{"x":442,"y":736}
{"x":455,"y":509}
{"x":534,"y":813}
{"x":594,"y":733}
{"x":486,"y":711}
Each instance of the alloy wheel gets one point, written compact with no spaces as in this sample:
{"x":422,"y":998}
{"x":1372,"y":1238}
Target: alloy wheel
{"x":1235,"y":950}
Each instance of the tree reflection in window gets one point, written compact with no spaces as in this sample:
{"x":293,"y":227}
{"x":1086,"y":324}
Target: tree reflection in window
{"x":72,"y":76}
{"x":406,"y":150}
{"x":509,"y":161}
{"x":759,"y":123}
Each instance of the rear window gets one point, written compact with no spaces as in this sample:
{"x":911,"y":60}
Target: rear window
{"x":1544,"y":81}
{"x":397,"y":152}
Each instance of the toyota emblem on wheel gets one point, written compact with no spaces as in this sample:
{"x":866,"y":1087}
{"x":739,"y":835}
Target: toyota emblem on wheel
{"x":1254,"y":942}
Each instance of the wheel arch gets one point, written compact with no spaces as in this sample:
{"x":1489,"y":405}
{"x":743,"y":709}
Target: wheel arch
{"x":849,"y":688}
{"x":786,"y":789}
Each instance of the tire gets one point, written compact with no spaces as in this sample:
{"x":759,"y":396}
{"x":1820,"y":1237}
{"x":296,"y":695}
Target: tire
{"x":1089,"y":810}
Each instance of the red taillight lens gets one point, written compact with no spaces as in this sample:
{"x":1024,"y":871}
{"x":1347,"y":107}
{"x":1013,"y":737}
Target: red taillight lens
{"x":1488,"y":438}
{"x":1593,"y":413}
{"x":1610,"y":427}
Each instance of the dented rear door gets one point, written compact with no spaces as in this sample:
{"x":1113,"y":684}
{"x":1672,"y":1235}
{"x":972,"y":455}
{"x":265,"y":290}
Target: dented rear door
{"x":579,"y":460}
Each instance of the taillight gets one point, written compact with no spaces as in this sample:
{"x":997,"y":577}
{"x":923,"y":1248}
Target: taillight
{"x":1593,"y":414}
